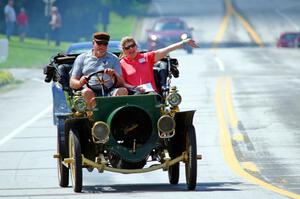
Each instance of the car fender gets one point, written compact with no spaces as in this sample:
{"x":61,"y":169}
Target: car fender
{"x":83,"y":127}
{"x":184,"y":120}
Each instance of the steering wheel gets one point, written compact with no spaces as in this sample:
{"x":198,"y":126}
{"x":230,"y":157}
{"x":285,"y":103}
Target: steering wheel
{"x":101,"y":80}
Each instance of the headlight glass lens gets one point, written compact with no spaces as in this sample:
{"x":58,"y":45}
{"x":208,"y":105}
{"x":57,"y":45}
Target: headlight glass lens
{"x":166,"y":126}
{"x":80,"y":105}
{"x":100,"y":132}
{"x":174,"y":99}
{"x":153,"y":37}
{"x":184,"y":36}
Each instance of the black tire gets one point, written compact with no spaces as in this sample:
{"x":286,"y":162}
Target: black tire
{"x":174,"y":173}
{"x":191,"y":163}
{"x":76,"y":166}
{"x":62,"y":170}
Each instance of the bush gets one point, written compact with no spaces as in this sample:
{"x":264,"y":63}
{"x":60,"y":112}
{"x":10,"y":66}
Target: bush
{"x":5,"y":78}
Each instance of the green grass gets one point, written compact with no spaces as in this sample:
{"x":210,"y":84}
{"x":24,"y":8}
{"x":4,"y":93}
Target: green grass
{"x":119,"y":26}
{"x":33,"y":53}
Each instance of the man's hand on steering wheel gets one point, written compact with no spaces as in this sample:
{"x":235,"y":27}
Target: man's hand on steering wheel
{"x":109,"y":71}
{"x":83,"y":80}
{"x":99,"y":77}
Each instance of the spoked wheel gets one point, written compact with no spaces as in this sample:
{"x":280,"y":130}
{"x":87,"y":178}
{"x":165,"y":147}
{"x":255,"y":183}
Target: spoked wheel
{"x":174,"y":173}
{"x":76,"y":165}
{"x":63,"y":171}
{"x":191,"y":163}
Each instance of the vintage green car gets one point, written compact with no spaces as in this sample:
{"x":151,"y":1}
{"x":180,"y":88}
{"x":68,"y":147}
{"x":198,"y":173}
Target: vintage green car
{"x":126,"y":134}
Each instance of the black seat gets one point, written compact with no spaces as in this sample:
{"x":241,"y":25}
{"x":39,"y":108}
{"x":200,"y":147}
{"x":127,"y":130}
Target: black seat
{"x":64,"y":75}
{"x":64,"y":66}
{"x":161,"y":72}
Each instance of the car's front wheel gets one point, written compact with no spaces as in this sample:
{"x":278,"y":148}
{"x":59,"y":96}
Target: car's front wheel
{"x":76,"y":164}
{"x":191,"y":162}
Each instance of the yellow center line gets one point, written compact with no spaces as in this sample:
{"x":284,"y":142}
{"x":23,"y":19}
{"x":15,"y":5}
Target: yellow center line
{"x":250,"y":166}
{"x":226,"y":143}
{"x":247,"y":26}
{"x":231,"y":11}
{"x":218,"y":38}
{"x":250,"y":30}
{"x":229,"y":6}
{"x":238,"y":137}
{"x":223,"y":94}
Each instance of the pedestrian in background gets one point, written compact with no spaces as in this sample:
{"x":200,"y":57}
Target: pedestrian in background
{"x":22,"y":22}
{"x":10,"y":18}
{"x":55,"y":25}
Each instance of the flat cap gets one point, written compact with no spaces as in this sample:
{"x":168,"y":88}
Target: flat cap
{"x":101,"y":37}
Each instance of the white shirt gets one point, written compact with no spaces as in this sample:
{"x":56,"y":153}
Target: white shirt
{"x":55,"y":21}
{"x":10,"y":14}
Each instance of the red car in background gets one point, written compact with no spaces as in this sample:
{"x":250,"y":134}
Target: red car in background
{"x":167,"y":31}
{"x":298,"y":42}
{"x":288,"y":40}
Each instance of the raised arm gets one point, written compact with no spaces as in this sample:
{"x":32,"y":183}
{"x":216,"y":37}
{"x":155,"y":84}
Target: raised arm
{"x":161,"y":53}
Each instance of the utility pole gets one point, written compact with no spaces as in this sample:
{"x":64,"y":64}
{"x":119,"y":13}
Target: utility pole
{"x":48,"y":5}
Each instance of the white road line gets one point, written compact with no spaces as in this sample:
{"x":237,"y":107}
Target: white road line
{"x":220,"y":64}
{"x":289,"y":20}
{"x":23,"y":126}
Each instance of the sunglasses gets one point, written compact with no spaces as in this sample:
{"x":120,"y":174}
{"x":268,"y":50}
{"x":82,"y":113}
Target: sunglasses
{"x":104,"y":43}
{"x":129,"y":46}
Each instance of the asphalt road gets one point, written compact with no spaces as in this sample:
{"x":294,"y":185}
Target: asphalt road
{"x":246,"y":100}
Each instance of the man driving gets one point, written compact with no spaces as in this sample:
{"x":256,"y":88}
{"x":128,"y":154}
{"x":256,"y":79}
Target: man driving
{"x":96,"y":59}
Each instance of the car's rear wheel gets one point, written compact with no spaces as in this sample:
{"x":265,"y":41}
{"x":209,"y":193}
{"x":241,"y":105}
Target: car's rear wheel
{"x":174,"y":173}
{"x":191,"y":162}
{"x":63,"y":171}
{"x":76,"y":165}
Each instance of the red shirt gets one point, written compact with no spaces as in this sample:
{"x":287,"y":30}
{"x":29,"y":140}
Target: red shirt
{"x":140,"y":70}
{"x":22,"y":19}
